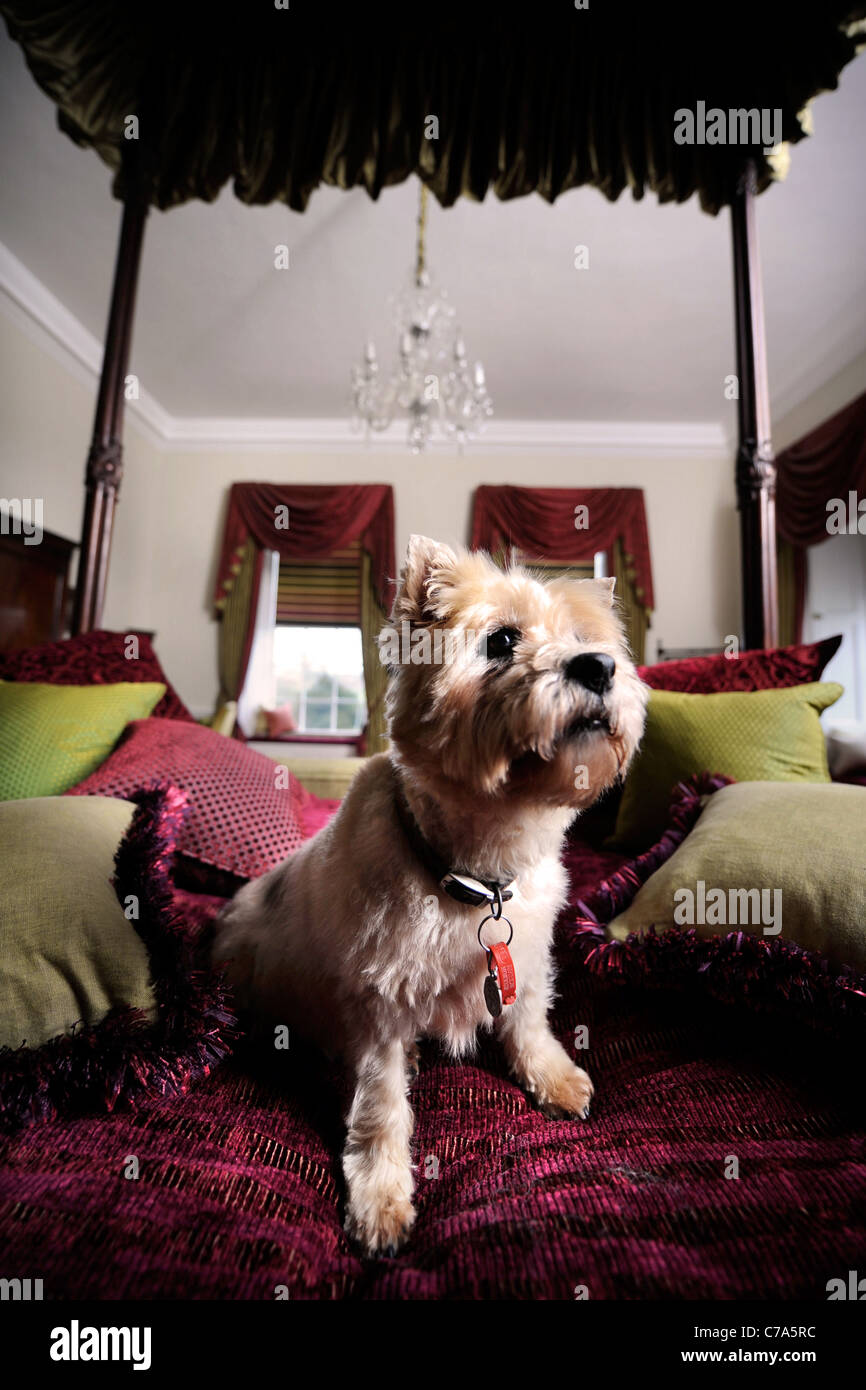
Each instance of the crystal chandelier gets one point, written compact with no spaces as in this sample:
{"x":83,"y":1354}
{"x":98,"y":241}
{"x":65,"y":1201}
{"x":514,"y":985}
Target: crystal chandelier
{"x":432,"y":381}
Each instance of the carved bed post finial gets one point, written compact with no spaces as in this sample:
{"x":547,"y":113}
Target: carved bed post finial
{"x":104,"y":468}
{"x":756,"y":468}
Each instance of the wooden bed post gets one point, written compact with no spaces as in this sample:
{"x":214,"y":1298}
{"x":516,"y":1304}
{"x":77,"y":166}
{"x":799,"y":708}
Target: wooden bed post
{"x":756,"y":468}
{"x":104,"y":468}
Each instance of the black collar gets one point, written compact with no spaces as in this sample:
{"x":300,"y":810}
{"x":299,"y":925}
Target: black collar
{"x":463,"y":887}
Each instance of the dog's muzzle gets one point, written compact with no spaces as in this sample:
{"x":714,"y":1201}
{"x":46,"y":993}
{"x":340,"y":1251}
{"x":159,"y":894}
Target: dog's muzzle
{"x":587,"y":724}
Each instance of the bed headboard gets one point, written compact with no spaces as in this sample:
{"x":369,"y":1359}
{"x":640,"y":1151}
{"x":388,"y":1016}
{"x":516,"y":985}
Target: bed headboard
{"x":34,"y":587}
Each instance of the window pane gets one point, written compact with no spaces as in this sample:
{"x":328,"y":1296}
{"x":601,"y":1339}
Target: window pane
{"x":318,"y":715}
{"x":288,"y":692}
{"x":320,"y":686}
{"x":348,"y":717}
{"x":325,"y":666}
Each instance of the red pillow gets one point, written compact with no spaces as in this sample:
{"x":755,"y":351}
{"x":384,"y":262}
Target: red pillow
{"x":242,"y":821}
{"x":94,"y":658}
{"x":774,"y":669}
{"x":280,"y":721}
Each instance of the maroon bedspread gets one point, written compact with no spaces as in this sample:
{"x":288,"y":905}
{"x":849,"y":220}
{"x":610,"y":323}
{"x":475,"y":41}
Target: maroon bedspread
{"x":239,"y":1188}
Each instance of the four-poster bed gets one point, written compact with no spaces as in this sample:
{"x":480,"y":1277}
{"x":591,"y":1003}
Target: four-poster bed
{"x":712,"y":1045}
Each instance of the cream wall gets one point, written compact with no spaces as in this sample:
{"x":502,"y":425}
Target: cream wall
{"x":173,"y":503}
{"x":828,"y":400}
{"x":46,"y":418}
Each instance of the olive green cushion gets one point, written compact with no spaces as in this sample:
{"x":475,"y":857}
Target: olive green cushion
{"x":52,"y":736}
{"x":751,"y":736}
{"x":804,"y":844}
{"x":67,"y":951}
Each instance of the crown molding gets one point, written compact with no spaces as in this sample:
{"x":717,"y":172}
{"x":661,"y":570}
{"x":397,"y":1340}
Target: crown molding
{"x":48,"y":323}
{"x":501,"y":436}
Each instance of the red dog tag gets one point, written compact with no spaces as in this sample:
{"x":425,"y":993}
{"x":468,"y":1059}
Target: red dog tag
{"x":506,"y":976}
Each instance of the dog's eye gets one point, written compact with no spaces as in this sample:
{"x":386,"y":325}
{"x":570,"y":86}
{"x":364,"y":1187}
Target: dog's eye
{"x":501,"y":643}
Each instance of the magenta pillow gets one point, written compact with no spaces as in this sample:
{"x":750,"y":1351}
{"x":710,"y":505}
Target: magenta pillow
{"x":94,"y":658}
{"x":313,"y":811}
{"x":774,"y":669}
{"x":241,"y":821}
{"x":127,"y":1061}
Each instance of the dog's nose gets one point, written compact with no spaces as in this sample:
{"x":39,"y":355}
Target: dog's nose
{"x":593,"y":670}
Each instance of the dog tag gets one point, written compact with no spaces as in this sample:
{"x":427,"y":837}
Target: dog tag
{"x":505,"y":972}
{"x":492,"y":996}
{"x":500,"y":987}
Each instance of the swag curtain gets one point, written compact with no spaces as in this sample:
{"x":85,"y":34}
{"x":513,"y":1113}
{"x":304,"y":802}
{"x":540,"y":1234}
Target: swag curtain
{"x":305,"y":522}
{"x":568,"y":525}
{"x":827,"y":464}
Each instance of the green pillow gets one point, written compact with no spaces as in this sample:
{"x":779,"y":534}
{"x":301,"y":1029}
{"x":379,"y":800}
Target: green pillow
{"x":752,"y":736}
{"x":802,"y":848}
{"x":67,"y":951}
{"x":53,"y":736}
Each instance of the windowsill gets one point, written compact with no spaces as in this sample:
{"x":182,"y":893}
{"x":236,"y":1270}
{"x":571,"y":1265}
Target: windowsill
{"x":306,"y":738}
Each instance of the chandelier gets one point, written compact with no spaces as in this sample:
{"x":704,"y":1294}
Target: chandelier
{"x":432,"y":382}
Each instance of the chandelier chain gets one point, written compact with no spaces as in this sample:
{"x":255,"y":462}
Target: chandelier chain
{"x":421,"y":259}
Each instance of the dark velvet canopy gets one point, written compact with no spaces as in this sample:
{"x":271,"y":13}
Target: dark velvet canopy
{"x":539,"y":99}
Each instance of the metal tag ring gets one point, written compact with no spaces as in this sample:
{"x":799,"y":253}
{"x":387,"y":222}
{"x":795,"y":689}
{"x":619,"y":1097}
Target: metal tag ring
{"x":491,"y":918}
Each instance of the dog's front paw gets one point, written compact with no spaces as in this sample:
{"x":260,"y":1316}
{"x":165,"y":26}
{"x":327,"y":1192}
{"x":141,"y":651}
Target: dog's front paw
{"x":567,"y":1096}
{"x":380,"y":1229}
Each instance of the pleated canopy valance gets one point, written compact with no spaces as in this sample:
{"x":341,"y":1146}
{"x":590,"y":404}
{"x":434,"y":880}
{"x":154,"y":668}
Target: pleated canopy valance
{"x":282,"y":97}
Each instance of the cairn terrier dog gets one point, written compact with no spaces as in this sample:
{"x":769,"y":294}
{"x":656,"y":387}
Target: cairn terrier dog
{"x":511,"y":707}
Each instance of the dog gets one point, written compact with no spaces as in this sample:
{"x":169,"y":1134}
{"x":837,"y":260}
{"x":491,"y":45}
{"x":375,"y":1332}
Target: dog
{"x":367,"y":938}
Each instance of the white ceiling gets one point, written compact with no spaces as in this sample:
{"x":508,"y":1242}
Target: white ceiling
{"x":646,"y":334}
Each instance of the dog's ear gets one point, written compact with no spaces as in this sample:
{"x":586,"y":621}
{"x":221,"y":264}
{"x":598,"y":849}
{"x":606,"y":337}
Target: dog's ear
{"x":603,"y":587}
{"x":426,"y":561}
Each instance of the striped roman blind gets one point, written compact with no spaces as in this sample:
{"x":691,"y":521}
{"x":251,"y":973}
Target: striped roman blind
{"x":326,"y":591}
{"x":553,"y":569}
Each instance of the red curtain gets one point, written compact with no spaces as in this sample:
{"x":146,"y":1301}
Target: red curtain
{"x":828,"y":463}
{"x":321,"y":519}
{"x":545,"y":524}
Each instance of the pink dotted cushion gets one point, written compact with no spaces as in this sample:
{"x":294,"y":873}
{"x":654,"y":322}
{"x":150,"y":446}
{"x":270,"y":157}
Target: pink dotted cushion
{"x":243,"y":817}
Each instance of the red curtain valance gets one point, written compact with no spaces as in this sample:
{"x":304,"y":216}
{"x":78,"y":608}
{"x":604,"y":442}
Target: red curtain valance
{"x":828,"y":463}
{"x":321,"y":519}
{"x":540,"y":521}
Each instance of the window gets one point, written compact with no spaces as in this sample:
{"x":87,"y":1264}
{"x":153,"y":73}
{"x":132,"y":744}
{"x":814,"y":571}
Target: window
{"x":319,"y":673}
{"x":596,"y":568}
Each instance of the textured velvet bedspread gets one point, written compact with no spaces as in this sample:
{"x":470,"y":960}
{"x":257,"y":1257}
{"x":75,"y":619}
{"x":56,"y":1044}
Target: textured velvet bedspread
{"x":239,"y":1189}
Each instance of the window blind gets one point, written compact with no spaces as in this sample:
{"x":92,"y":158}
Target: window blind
{"x":326,"y":591}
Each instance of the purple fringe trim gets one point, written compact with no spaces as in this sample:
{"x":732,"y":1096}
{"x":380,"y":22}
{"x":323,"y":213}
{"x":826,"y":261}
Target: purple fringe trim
{"x":736,"y":968}
{"x":126,"y":1060}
